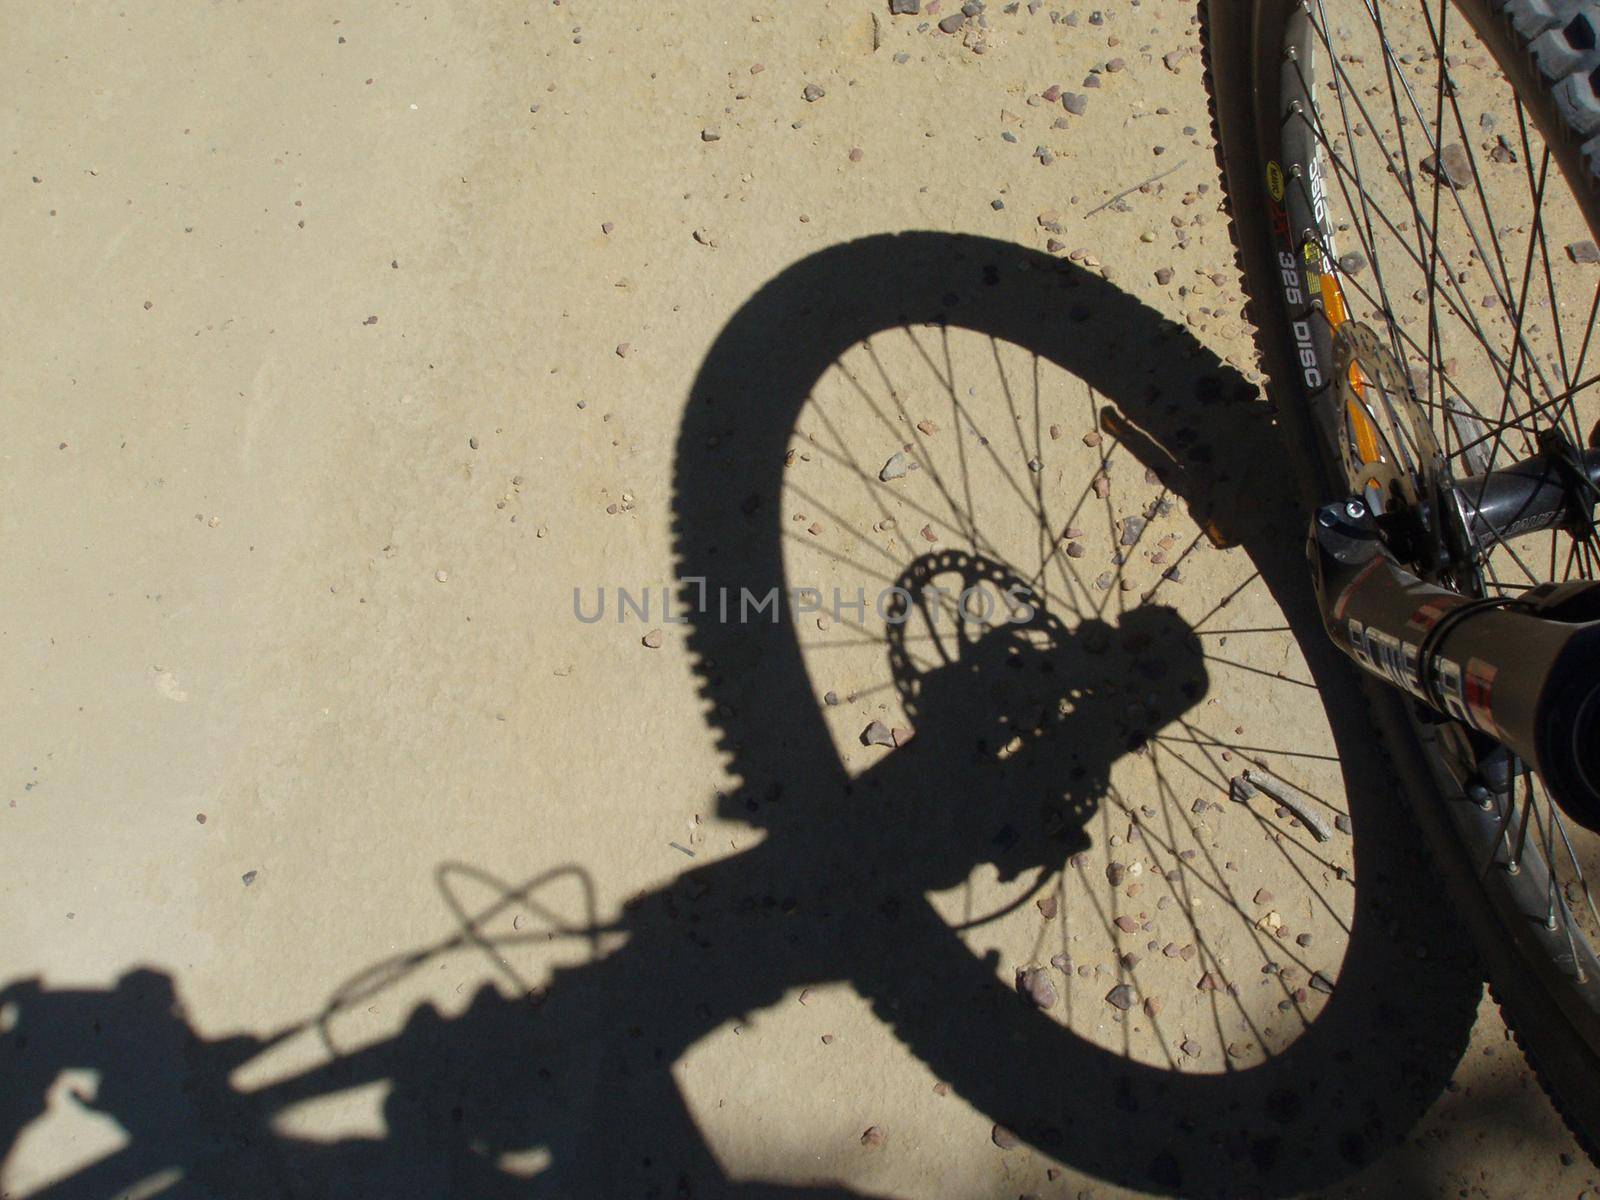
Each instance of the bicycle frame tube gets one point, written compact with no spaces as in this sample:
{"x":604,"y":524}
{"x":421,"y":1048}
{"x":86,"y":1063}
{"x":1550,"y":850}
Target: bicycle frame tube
{"x":1524,"y":671}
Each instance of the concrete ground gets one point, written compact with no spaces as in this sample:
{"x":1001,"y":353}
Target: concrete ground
{"x":343,"y":347}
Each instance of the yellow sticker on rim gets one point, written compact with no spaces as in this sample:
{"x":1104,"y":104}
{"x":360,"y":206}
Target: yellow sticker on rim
{"x":1275,"y":181}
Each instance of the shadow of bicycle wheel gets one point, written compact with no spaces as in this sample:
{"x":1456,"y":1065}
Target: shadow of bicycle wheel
{"x":1364,"y":1070}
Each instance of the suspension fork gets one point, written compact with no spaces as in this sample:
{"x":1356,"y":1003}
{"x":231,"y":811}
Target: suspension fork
{"x":1524,"y":671}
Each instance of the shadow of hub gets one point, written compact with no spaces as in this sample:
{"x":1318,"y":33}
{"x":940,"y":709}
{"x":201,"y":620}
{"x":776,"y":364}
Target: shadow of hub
{"x":1019,"y":718}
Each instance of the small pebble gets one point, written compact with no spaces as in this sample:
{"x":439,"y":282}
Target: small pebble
{"x":1457,"y":167}
{"x":1035,"y":984}
{"x":877,"y":734}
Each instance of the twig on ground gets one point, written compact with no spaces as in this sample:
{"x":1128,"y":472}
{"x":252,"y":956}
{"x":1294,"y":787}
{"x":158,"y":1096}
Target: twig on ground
{"x":1135,"y":188}
{"x":1285,"y":795}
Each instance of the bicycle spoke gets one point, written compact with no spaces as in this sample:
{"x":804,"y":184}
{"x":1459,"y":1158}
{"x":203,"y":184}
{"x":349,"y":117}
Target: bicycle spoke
{"x":1516,"y":345}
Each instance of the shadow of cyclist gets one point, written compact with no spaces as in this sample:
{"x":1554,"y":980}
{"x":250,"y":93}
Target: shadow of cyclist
{"x":1016,"y":736}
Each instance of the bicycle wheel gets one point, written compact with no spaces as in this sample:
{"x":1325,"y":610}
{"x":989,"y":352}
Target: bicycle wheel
{"x":1413,"y":197}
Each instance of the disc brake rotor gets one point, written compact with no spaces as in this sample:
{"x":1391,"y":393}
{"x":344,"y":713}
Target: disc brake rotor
{"x":1388,"y":439}
{"x":1395,"y":460}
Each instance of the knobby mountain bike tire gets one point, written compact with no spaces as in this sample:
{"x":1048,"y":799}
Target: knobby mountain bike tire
{"x":1324,"y":113}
